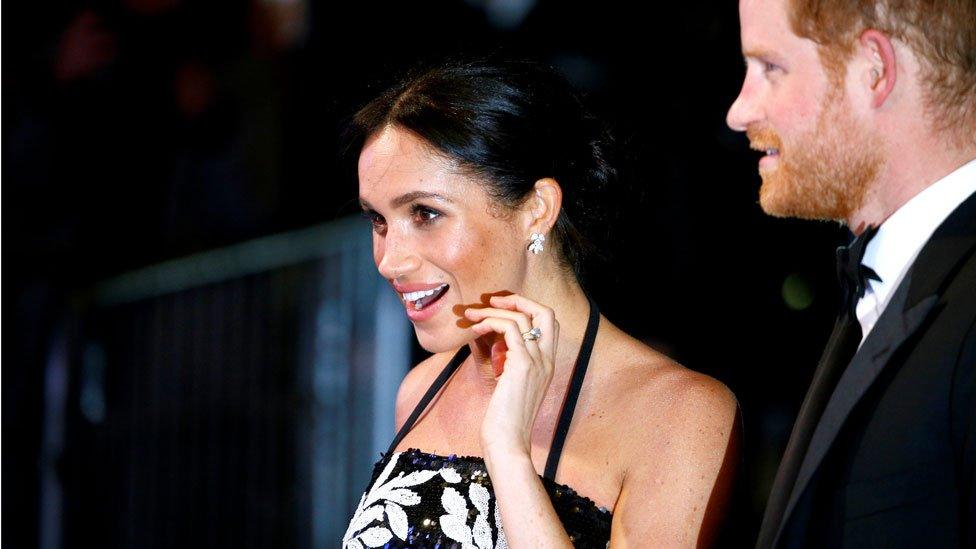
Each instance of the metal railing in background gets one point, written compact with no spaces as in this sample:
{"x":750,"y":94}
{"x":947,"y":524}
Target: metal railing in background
{"x":235,"y":398}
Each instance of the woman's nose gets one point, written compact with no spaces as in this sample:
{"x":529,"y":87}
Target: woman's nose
{"x":396,"y":259}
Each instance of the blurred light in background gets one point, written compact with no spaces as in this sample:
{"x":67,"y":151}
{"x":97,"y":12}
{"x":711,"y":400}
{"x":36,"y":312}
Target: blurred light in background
{"x":505,"y":14}
{"x":798,"y":292}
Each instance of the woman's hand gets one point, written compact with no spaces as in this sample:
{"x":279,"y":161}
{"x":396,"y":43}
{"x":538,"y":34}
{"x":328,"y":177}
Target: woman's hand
{"x":506,"y":432}
{"x":526,"y":373}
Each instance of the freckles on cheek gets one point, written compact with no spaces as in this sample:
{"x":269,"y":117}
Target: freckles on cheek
{"x":496,"y":255}
{"x":468,"y":258}
{"x":465,"y":249}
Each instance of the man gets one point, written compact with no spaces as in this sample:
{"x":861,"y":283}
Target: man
{"x":866,"y":112}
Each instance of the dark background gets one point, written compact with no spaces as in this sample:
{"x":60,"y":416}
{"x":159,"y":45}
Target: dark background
{"x":144,"y":130}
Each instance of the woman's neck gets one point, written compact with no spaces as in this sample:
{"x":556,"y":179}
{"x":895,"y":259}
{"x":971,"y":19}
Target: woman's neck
{"x":571,"y":308}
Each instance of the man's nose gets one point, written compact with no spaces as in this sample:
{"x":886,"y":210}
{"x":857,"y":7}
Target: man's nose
{"x":744,"y":110}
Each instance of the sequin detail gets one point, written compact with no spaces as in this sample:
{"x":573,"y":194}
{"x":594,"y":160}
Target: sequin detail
{"x":426,"y":500}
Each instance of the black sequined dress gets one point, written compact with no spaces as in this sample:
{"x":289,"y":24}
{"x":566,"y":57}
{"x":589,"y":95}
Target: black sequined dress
{"x":416,"y":499}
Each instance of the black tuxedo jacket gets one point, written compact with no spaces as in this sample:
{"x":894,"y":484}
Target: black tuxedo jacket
{"x":887,"y":456}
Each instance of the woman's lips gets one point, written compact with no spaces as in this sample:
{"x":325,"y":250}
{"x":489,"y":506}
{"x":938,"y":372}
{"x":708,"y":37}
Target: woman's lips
{"x":421,"y":300}
{"x":428,"y":305}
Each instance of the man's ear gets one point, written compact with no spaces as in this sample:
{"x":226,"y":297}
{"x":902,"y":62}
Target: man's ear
{"x":878,"y":65}
{"x":543,"y":207}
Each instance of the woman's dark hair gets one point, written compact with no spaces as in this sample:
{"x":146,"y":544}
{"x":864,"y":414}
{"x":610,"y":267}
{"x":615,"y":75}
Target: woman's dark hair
{"x":510,"y":123}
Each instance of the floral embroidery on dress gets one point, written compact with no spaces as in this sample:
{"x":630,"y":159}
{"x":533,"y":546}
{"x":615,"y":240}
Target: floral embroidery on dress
{"x":429,"y":501}
{"x":388,"y":497}
{"x":454,"y":523}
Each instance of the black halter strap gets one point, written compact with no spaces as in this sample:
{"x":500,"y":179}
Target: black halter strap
{"x":435,"y":387}
{"x":569,"y":405}
{"x":565,"y":415}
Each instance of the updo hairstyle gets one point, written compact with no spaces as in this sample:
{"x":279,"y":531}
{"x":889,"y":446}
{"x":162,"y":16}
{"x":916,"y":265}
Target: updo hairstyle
{"x":509,"y":123}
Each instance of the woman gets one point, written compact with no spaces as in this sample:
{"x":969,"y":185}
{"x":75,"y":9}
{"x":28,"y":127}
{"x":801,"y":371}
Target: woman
{"x":480,"y":180}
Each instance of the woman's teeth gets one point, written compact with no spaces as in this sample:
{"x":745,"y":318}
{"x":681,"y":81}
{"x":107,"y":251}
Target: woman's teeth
{"x":419,"y":298}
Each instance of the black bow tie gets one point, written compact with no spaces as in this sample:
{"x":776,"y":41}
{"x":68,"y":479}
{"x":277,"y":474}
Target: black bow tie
{"x":854,"y":276}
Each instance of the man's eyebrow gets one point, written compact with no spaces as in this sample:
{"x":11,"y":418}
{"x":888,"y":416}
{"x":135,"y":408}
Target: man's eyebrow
{"x":759,"y":54}
{"x":414,"y":195}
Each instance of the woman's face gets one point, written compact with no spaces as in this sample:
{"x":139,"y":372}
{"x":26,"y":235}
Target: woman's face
{"x":437,"y":236}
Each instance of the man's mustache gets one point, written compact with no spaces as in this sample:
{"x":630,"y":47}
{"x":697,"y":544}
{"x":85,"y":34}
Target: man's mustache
{"x":763,"y":138}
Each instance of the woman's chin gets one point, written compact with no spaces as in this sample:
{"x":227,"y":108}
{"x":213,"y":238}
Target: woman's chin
{"x":442,"y":341}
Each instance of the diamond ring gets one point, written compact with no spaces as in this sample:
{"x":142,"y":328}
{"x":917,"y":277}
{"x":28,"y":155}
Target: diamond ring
{"x":532,"y":335}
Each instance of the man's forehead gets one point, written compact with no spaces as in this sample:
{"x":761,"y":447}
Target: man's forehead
{"x":756,"y":7}
{"x":765,"y":27}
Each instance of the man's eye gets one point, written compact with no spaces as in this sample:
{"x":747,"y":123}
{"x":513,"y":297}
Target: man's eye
{"x":769,"y":67}
{"x":423,"y":215}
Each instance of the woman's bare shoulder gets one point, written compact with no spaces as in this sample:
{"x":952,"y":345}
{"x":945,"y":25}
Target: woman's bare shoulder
{"x":654,"y":388}
{"x":416,"y":383}
{"x":677,"y":441}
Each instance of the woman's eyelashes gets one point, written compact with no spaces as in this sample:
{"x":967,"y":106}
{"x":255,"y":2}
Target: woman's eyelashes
{"x":376,"y":220}
{"x":424,"y":216}
{"x":420,"y":215}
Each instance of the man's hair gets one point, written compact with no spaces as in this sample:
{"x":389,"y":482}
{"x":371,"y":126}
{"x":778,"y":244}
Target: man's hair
{"x":942,"y":34}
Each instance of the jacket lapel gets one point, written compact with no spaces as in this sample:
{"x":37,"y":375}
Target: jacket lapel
{"x":893,"y":328}
{"x":944,"y":253}
{"x":911,"y":303}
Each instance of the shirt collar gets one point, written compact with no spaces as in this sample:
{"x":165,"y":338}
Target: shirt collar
{"x":901,"y":237}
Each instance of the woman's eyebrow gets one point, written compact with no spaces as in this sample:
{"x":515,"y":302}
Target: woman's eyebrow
{"x":409,"y":197}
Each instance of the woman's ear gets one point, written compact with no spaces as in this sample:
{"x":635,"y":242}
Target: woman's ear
{"x":544,"y":206}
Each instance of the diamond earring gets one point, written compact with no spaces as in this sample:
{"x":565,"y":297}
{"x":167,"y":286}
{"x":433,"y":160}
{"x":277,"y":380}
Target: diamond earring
{"x":536,"y":245}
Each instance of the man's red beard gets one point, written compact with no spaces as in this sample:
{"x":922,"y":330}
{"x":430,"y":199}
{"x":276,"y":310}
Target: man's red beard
{"x":823,"y":174}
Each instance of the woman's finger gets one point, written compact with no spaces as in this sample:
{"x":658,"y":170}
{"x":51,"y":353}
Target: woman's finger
{"x":511,"y":331}
{"x":523,"y":321}
{"x":540,"y":316}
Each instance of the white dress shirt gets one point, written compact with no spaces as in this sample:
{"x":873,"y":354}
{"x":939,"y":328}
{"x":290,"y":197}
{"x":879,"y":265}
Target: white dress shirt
{"x":901,"y":237}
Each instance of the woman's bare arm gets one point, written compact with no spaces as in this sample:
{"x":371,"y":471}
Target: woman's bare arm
{"x":679,"y":480}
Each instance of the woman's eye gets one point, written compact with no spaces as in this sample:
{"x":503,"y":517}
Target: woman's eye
{"x":423,"y":215}
{"x":769,"y":67}
{"x":379,"y":224}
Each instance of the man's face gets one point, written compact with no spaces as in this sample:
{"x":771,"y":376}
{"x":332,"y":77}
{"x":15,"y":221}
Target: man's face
{"x":820,"y":159}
